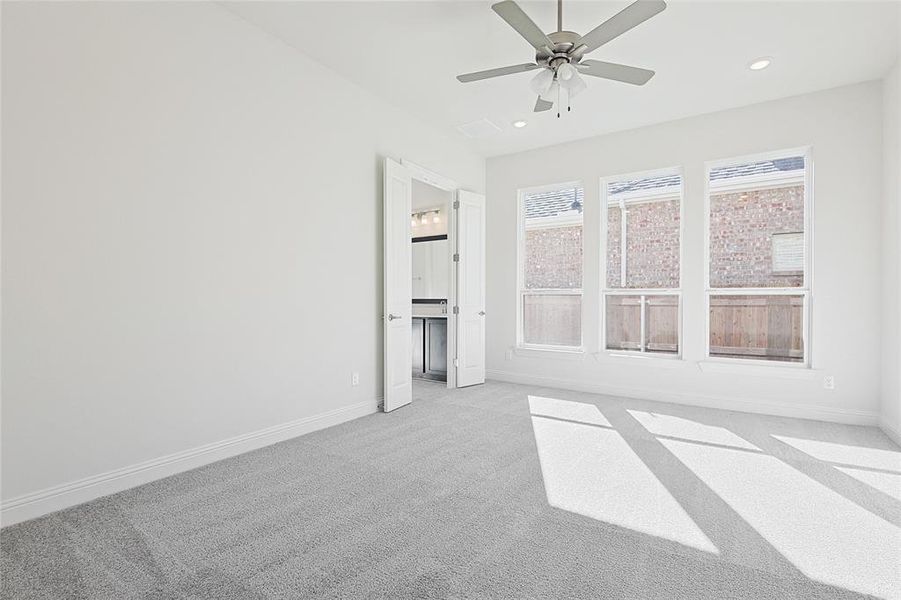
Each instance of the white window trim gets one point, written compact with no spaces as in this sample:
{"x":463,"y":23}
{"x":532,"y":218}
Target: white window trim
{"x":760,"y":181}
{"x":552,"y":222}
{"x":562,"y":352}
{"x":805,"y":290}
{"x":638,"y":198}
{"x":520,"y":270}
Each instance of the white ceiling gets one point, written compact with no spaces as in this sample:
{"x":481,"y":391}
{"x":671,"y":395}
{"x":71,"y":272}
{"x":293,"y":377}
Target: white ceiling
{"x":410,"y":52}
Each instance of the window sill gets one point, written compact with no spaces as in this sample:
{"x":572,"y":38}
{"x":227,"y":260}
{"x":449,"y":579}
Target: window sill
{"x":549,"y":352}
{"x":667,"y":362}
{"x":734,"y":367}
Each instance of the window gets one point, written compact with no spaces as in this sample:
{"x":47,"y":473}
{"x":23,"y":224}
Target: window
{"x":758,"y":250}
{"x":644,"y":237}
{"x":550,"y":267}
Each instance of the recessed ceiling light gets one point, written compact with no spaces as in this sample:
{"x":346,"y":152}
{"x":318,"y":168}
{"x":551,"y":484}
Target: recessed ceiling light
{"x":520,"y":124}
{"x":760,"y":63}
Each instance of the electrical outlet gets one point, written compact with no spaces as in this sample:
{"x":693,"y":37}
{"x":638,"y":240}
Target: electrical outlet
{"x":508,"y":354}
{"x":354,"y":378}
{"x":829,"y":382}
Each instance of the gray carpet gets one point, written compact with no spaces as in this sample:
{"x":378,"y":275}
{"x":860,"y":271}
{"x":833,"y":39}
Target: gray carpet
{"x":446,"y":498}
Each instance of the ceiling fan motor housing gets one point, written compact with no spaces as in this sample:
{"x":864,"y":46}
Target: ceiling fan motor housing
{"x":563,"y":50}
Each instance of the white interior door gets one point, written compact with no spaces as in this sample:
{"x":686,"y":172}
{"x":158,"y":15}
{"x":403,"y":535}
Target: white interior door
{"x":470,"y":288}
{"x":398,"y":269}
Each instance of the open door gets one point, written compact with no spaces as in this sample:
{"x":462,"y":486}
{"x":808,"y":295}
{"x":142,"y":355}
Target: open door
{"x":470,"y":288}
{"x":398,"y":271}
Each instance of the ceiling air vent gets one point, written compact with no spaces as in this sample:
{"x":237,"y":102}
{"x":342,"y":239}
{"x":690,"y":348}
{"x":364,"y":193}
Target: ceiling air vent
{"x":479,"y":129}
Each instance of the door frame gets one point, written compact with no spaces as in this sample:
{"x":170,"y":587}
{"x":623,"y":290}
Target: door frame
{"x":424,"y":175}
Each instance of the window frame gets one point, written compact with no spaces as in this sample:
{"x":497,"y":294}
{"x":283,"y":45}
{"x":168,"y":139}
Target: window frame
{"x":520,"y":272}
{"x":606,"y":291}
{"x":804,"y":291}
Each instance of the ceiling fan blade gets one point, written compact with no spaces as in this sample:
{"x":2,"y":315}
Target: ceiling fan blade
{"x":478,"y":75}
{"x":633,"y":15}
{"x":516,"y":18}
{"x":608,"y":70}
{"x":542,"y":105}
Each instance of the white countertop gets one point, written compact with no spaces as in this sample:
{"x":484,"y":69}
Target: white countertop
{"x":425,"y":310}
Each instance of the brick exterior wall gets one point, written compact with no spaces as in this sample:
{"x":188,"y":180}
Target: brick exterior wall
{"x":553,"y":258}
{"x":741,"y":229}
{"x":741,"y":249}
{"x":614,"y":245}
{"x":652,"y":245}
{"x":742,"y":225}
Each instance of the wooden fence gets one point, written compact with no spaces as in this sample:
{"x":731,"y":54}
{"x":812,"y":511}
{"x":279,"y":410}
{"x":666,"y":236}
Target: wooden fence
{"x":661,"y":323}
{"x":750,"y":326}
{"x":552,"y":319}
{"x":764,"y":327}
{"x":741,"y":326}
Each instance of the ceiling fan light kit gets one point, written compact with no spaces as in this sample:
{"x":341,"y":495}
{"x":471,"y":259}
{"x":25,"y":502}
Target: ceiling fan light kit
{"x":551,"y":93}
{"x":565,"y":72}
{"x":542,"y":82}
{"x":559,"y":55}
{"x":574,"y":86}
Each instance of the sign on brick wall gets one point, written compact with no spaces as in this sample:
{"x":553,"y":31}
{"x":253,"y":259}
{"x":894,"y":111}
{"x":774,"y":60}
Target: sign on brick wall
{"x":788,"y":252}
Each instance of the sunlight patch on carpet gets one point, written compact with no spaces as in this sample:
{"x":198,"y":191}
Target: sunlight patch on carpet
{"x":858,"y":456}
{"x":592,"y":471}
{"x":677,"y":427}
{"x":826,"y":536}
{"x":564,"y":409}
{"x":887,"y":483}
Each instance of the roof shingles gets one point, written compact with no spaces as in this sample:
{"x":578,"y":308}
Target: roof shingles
{"x":543,"y":205}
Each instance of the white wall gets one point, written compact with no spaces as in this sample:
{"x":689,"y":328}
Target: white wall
{"x":172,"y":177}
{"x":844,"y":128}
{"x":890,"y":414}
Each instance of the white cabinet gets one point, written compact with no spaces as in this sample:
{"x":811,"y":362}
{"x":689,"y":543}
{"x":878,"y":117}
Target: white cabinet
{"x":430,"y":348}
{"x":430,"y":269}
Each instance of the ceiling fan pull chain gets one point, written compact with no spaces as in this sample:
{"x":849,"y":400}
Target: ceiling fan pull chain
{"x":558,"y":101}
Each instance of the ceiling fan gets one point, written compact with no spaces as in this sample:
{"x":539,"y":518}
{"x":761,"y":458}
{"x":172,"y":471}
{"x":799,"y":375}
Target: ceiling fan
{"x":560,"y":54}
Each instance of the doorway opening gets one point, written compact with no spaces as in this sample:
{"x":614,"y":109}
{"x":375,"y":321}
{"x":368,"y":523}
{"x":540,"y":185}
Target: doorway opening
{"x":434,"y":278}
{"x":432,"y":274}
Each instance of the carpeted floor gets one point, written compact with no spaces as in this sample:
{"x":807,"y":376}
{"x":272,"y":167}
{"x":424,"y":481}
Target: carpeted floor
{"x":497,"y":491}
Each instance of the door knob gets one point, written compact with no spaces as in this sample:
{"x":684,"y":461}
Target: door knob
{"x":481,"y":313}
{"x":392,"y":317}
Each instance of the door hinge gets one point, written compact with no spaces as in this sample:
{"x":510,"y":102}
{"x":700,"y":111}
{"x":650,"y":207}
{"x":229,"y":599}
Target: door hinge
{"x":456,"y":257}
{"x":456,"y":310}
{"x":456,"y":204}
{"x":456,"y":362}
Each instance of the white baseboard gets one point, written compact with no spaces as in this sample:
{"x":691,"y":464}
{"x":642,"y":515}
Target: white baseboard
{"x":63,"y":496}
{"x":779,"y":409}
{"x":890,"y":431}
